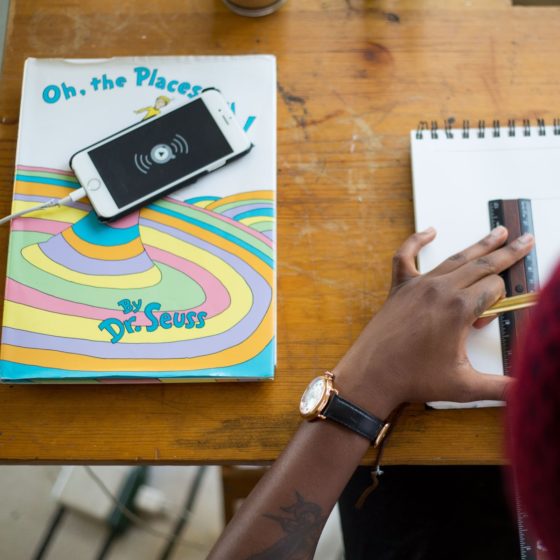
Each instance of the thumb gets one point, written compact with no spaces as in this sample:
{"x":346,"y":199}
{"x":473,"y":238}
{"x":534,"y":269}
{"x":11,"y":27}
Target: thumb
{"x":481,"y":323}
{"x":489,"y":386}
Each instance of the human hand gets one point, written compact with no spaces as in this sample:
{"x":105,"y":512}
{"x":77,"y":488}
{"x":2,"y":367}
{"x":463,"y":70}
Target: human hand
{"x":414,"y":349}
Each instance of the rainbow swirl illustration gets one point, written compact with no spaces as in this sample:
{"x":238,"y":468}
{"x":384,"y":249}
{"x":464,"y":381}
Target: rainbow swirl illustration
{"x":178,"y":290}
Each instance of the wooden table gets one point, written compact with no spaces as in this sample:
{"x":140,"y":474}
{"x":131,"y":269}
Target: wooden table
{"x":354,"y":76}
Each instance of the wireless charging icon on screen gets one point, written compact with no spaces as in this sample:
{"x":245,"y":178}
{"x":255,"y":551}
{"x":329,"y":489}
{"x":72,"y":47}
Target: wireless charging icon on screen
{"x":161,"y":153}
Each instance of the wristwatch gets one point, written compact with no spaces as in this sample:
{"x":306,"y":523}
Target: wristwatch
{"x":321,"y":401}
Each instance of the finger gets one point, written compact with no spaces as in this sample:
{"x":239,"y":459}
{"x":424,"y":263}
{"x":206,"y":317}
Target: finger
{"x":404,"y":260}
{"x":485,"y":321}
{"x":495,"y":239}
{"x":485,"y":293}
{"x":493,"y":263}
{"x":487,"y":386}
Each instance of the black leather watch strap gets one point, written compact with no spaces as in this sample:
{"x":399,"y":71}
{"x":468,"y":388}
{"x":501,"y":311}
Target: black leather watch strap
{"x":354,"y":418}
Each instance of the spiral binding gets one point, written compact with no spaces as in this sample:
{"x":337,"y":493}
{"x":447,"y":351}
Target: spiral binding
{"x":482,"y":131}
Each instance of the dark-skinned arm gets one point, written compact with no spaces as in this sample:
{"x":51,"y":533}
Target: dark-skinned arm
{"x":413,"y":350}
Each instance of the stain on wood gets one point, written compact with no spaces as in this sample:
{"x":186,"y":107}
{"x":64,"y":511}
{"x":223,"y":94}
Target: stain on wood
{"x":392,"y":17}
{"x":375,"y":52}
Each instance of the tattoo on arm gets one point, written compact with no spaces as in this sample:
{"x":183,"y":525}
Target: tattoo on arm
{"x":302,"y":523}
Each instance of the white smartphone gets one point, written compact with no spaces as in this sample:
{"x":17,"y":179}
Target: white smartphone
{"x":161,"y":154}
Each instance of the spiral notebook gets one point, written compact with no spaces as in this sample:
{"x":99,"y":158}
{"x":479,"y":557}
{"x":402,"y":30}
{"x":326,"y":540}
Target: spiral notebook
{"x":457,"y":173}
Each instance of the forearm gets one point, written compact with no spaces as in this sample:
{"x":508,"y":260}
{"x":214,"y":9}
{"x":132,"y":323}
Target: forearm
{"x":285,"y":514}
{"x":413,"y":350}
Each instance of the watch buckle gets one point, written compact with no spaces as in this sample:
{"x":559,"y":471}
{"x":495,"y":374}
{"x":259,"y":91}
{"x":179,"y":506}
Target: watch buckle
{"x":381,"y":435}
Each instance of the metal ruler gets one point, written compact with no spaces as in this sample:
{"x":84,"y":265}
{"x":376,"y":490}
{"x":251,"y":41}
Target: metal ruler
{"x":521,"y":278}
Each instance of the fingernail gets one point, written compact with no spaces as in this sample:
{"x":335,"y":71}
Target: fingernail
{"x":428,"y":231}
{"x":525,"y":238}
{"x":498,"y":231}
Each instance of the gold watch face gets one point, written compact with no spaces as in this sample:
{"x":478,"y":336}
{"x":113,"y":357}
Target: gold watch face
{"x":315,"y":397}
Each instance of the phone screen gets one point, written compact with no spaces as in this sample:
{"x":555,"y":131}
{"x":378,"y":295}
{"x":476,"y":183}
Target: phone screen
{"x":159,"y":153}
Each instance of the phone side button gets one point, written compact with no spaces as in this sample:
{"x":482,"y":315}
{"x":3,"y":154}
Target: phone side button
{"x":93,"y":184}
{"x":215,"y":166}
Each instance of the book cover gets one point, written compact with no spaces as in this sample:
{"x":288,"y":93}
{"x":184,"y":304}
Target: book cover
{"x":183,"y":289}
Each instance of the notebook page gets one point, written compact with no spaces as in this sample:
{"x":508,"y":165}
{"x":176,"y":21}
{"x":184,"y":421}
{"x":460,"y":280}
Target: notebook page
{"x":453,"y":180}
{"x":546,"y":219}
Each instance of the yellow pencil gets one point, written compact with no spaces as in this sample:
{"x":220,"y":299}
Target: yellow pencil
{"x":512,"y":303}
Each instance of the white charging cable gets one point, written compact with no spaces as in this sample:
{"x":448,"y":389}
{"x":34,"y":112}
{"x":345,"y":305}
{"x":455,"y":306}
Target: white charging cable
{"x":74,"y":196}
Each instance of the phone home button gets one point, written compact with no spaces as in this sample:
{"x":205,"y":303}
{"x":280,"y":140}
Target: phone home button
{"x":94,"y":184}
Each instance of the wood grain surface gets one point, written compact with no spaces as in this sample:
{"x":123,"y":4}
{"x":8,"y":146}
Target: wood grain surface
{"x":354,"y":76}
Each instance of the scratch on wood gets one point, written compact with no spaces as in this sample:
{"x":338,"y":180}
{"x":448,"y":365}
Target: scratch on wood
{"x":490,"y":86}
{"x":328,"y":117}
{"x":288,"y":97}
{"x":491,"y":82}
{"x":353,"y":143}
{"x":316,"y":168}
{"x":297,"y":112}
{"x":303,"y":122}
{"x":368,"y":136}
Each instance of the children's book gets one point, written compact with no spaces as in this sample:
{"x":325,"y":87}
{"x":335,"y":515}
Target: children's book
{"x":181,"y":290}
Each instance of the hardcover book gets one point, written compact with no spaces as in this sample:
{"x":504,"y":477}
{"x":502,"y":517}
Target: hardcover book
{"x":181,"y":290}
